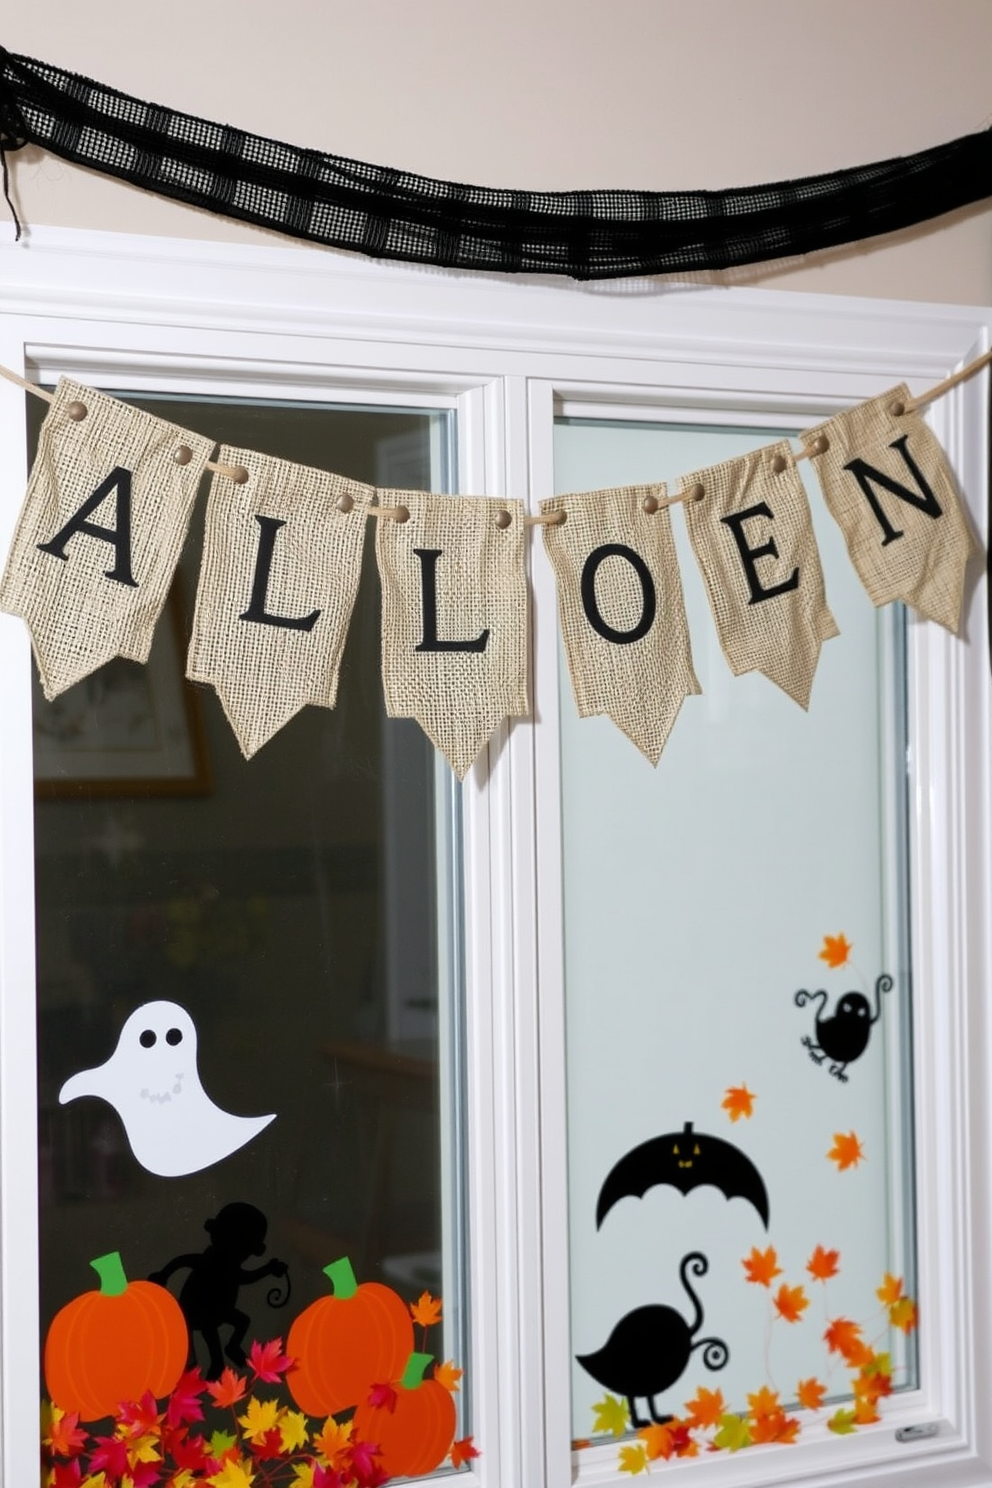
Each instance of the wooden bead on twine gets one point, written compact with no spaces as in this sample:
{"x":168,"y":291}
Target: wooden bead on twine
{"x":77,"y":411}
{"x":779,"y":462}
{"x":345,"y":502}
{"x":650,"y":505}
{"x":503,"y":520}
{"x":183,"y":455}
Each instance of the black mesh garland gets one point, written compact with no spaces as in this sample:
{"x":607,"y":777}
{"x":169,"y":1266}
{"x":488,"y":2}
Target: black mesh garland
{"x":387,"y":213}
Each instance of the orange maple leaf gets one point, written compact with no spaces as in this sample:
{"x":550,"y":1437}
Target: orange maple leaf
{"x":705,"y":1408}
{"x":659,"y":1441}
{"x":738,"y":1102}
{"x":835,"y":950}
{"x":774,"y":1426}
{"x":844,"y":1337}
{"x":762,"y":1266}
{"x":463,"y":1451}
{"x":865,"y":1413}
{"x":333,"y":1440}
{"x":763,"y":1402}
{"x":847,"y":1150}
{"x":823,"y":1264}
{"x":448,"y":1375}
{"x":902,"y":1314}
{"x":890,"y":1291}
{"x":810,"y":1393}
{"x":790,"y":1302}
{"x":426,"y":1310}
{"x":229,"y":1389}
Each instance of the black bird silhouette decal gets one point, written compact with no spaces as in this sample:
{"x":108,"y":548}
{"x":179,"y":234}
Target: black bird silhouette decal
{"x":650,"y":1348}
{"x":843,"y":1037}
{"x":684,"y":1159}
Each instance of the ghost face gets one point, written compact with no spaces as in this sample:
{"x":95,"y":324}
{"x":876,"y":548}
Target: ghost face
{"x":151,"y":1080}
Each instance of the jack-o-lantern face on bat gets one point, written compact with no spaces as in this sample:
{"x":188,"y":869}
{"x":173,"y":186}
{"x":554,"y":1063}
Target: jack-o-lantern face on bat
{"x":685,"y":1160}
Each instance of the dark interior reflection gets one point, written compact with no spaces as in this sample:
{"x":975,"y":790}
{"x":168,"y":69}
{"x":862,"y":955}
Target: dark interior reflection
{"x":288,"y":903}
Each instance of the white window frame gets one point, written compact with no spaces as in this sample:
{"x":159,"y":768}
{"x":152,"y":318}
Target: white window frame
{"x":507,"y":354}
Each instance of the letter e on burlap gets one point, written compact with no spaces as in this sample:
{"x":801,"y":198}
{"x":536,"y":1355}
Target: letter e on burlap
{"x":892,"y":493}
{"x":454,"y":617}
{"x":621,"y":610}
{"x":100,"y":533}
{"x":752,"y":534}
{"x":282,"y":559}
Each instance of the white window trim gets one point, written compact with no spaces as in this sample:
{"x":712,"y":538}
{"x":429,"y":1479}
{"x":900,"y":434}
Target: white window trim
{"x":199,"y":317}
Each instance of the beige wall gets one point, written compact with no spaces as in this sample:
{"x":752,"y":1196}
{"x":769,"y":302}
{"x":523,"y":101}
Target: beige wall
{"x":551,"y":93}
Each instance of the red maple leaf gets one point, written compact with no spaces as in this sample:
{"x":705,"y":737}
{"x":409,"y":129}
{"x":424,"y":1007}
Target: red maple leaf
{"x":383,"y":1396}
{"x":268,"y":1446}
{"x":110,"y":1457}
{"x":363,"y":1455}
{"x":184,"y":1402}
{"x":139,"y":1417}
{"x":228,"y":1389}
{"x":65,"y":1436}
{"x":268,"y":1362}
{"x":463,"y":1451}
{"x":191,"y":1453}
{"x":144,"y":1474}
{"x":66,"y":1474}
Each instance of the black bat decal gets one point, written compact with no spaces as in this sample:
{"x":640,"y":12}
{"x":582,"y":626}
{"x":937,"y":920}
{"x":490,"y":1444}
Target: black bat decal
{"x":685,"y":1159}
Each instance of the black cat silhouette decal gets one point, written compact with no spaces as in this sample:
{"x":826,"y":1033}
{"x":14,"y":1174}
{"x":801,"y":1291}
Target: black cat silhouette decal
{"x":650,"y":1348}
{"x":843,"y":1037}
{"x":684,"y":1159}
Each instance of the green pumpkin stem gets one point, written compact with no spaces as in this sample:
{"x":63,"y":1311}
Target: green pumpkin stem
{"x":342,"y":1278}
{"x":110,"y":1270}
{"x":413,"y":1374}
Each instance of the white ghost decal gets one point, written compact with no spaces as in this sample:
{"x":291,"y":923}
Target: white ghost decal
{"x":151,"y":1081}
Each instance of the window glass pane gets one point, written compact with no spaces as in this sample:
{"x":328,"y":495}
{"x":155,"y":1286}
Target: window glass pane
{"x":698,"y":899}
{"x":299,"y":915}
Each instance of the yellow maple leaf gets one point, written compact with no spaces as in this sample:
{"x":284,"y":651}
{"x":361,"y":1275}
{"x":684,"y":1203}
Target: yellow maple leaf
{"x":633,"y":1459}
{"x":448,"y":1375}
{"x":292,"y":1430}
{"x":303,"y":1474}
{"x":847,"y":1150}
{"x":835,"y":950}
{"x":762,"y":1266}
{"x":810,"y":1393}
{"x":739,"y":1101}
{"x":734,"y":1433}
{"x":145,"y":1449}
{"x":610,"y":1414}
{"x":260,"y":1417}
{"x":890,"y":1291}
{"x":234,"y":1474}
{"x":902,"y":1314}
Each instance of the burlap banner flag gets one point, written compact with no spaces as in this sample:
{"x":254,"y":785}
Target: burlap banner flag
{"x":282,"y":558}
{"x":889,"y":487}
{"x":751,"y":531}
{"x":100,"y":533}
{"x":454,"y":617}
{"x":621,"y":610}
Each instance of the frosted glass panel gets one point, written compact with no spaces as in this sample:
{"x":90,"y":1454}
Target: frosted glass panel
{"x":698,"y":900}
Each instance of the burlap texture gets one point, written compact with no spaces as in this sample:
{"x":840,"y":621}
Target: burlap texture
{"x":264,"y":673}
{"x":781,"y":633}
{"x":925,"y":565}
{"x":457,"y":697}
{"x":78,"y":617}
{"x":641,"y":683}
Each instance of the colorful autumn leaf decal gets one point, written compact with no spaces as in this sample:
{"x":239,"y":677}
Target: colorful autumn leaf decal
{"x":810,"y":1393}
{"x":705,"y":1408}
{"x":260,"y":1417}
{"x":823,"y":1264}
{"x":268,"y":1362}
{"x":836,"y":950}
{"x":228,"y":1390}
{"x":739,"y":1101}
{"x":733,"y":1434}
{"x":63,"y":1434}
{"x":633,"y":1459}
{"x":463,"y":1451}
{"x":293,"y":1430}
{"x":843,"y":1422}
{"x":790,"y":1302}
{"x":844,"y":1337}
{"x":762,"y":1266}
{"x":763,"y":1402}
{"x":333,"y":1439}
{"x":847,"y":1150}
{"x":426,"y":1311}
{"x":382,"y":1396}
{"x":448,"y":1375}
{"x":902,"y":1314}
{"x":233,"y":1475}
{"x":610,"y":1414}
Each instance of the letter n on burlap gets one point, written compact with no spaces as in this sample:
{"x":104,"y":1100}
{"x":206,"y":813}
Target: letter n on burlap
{"x":100,"y":532}
{"x":454,"y":617}
{"x":752,"y":534}
{"x":890,"y":489}
{"x":282,"y":558}
{"x":621,"y":610}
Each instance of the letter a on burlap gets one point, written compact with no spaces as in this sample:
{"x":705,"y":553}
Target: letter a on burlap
{"x":752,"y":534}
{"x":454,"y":617}
{"x":100,"y":532}
{"x":621,"y":610}
{"x":282,"y":558}
{"x":891,"y":491}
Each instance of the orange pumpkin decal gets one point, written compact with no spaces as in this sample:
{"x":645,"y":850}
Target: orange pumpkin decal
{"x":112,"y":1345}
{"x":415,"y":1431}
{"x":344,"y":1343}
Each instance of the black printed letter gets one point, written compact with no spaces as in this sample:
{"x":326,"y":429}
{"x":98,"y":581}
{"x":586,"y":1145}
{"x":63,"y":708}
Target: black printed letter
{"x":750,"y":556}
{"x":926,"y":501}
{"x":119,"y":537}
{"x":588,"y":589}
{"x":428,"y":580}
{"x":260,"y":583}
